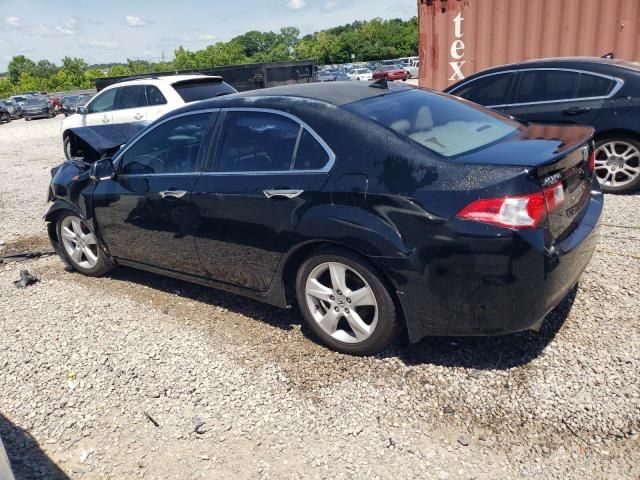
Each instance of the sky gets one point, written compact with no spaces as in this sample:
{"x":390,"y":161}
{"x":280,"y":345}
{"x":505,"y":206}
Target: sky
{"x":114,"y":30}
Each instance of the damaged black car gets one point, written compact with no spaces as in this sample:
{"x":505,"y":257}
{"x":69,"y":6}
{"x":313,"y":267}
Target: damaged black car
{"x":374,"y":208}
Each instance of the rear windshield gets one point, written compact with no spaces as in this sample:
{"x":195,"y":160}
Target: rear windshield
{"x":446,"y":126}
{"x":194,"y":90}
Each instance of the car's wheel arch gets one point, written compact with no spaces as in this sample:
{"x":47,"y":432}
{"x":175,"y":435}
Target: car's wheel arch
{"x":301,"y":252}
{"x":59,"y":207}
{"x":616,"y":133}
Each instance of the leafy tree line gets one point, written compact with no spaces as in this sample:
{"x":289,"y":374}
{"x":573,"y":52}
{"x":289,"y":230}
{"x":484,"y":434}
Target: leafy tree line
{"x":368,"y":40}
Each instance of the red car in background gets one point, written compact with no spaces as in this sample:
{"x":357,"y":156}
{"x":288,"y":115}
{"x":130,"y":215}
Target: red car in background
{"x":390,"y":72}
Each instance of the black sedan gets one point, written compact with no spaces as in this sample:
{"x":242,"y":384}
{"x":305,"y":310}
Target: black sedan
{"x":71,"y":103}
{"x":37,"y":107}
{"x":600,"y":92}
{"x":374,"y":209}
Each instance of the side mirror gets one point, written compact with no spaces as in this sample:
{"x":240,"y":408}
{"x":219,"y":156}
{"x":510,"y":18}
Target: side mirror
{"x":102,"y":170}
{"x":81,"y":110}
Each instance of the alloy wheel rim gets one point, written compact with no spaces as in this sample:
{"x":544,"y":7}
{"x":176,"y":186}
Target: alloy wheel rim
{"x":79,"y":242}
{"x":341,"y":302}
{"x":617,"y":163}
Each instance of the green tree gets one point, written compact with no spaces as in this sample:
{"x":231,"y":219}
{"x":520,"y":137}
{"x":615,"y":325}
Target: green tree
{"x":19,"y":65}
{"x":74,"y":68}
{"x":45,"y":69}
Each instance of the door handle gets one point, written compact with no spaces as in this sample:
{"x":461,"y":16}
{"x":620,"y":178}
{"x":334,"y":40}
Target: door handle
{"x":576,"y":110}
{"x":173,"y":193}
{"x":282,"y":193}
{"x":138,"y":116}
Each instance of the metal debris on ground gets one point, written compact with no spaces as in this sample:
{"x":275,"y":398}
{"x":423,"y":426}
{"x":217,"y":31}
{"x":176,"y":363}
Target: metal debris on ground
{"x":26,"y":279}
{"x":20,"y":257}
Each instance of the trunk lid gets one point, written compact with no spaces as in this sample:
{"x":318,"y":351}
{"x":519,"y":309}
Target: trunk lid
{"x":558,"y":157}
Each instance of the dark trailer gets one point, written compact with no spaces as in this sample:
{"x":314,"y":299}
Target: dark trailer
{"x":245,"y":77}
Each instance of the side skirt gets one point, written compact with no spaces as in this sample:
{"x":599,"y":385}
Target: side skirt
{"x":272,"y":296}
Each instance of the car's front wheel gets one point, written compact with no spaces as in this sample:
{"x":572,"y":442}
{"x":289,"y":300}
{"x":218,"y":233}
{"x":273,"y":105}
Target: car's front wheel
{"x":80,"y":246}
{"x":617,"y":165}
{"x":345,"y":303}
{"x":66,"y":145}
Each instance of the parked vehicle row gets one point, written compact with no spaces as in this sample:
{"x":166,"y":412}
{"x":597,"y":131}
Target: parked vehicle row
{"x":599,"y":92}
{"x":357,"y":206}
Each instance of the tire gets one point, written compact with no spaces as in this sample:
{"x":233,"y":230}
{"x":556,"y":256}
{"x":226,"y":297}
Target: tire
{"x":616,"y":170}
{"x":376,"y":322}
{"x":27,"y":119}
{"x":66,"y":145}
{"x":92,"y":260}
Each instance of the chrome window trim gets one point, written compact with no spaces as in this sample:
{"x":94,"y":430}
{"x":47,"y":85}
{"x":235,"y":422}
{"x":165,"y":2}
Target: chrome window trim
{"x":619,"y":84}
{"x":303,"y":124}
{"x":144,"y":133}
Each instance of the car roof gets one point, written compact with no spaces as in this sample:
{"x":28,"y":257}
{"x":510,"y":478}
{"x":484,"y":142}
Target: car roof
{"x":337,"y":94}
{"x":170,"y":79}
{"x":331,"y":93}
{"x":566,"y":62}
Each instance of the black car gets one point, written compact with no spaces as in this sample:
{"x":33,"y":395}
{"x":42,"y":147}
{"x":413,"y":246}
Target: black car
{"x":5,"y":114}
{"x":600,"y":92}
{"x":72,"y":102}
{"x":372,"y":208}
{"x":15,"y":110}
{"x":37,"y":107}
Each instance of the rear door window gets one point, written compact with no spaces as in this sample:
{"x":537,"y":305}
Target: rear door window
{"x":444,"y":125}
{"x":547,"y":85}
{"x":257,"y":142}
{"x":132,"y":97}
{"x":154,"y":96}
{"x":488,"y":91}
{"x":310,"y":155}
{"x":594,"y":86}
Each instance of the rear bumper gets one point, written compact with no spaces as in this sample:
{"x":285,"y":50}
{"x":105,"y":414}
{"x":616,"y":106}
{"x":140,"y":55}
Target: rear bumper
{"x":494,"y":285}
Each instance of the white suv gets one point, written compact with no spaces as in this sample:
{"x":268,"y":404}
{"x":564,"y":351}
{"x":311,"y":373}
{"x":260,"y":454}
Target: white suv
{"x":143,"y":100}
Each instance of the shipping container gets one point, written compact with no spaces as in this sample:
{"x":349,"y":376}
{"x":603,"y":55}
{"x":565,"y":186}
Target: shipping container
{"x":460,"y":37}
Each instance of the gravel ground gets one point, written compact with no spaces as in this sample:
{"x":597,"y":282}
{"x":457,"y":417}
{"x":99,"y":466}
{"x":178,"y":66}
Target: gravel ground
{"x":133,"y":375}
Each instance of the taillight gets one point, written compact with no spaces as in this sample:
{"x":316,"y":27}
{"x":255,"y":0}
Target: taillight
{"x":515,"y":212}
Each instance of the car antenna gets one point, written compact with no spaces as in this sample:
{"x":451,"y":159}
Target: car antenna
{"x":608,"y":55}
{"x":381,"y":83}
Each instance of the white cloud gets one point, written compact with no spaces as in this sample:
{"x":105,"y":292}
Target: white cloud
{"x":13,"y":21}
{"x":68,"y":27}
{"x":296,"y":4}
{"x":101,"y":44}
{"x":133,"y":21}
{"x":206,"y":36}
{"x":330,"y":5}
{"x":40,"y":29}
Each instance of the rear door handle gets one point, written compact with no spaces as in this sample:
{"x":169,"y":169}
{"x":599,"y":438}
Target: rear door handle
{"x":282,"y":193}
{"x":138,"y":116}
{"x":173,"y":193}
{"x":576,"y":110}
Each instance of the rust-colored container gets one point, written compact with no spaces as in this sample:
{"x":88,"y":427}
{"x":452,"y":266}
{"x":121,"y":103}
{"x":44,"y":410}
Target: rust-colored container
{"x":461,"y":37}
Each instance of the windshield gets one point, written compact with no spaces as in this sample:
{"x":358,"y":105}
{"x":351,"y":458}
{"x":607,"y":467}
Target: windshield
{"x":20,"y":99}
{"x":193,"y":90}
{"x":37,"y":100}
{"x":446,"y":126}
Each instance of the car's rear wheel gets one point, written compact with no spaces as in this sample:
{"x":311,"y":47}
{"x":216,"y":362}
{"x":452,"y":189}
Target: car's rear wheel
{"x":81,"y":247}
{"x":617,"y":165}
{"x":345,"y":303}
